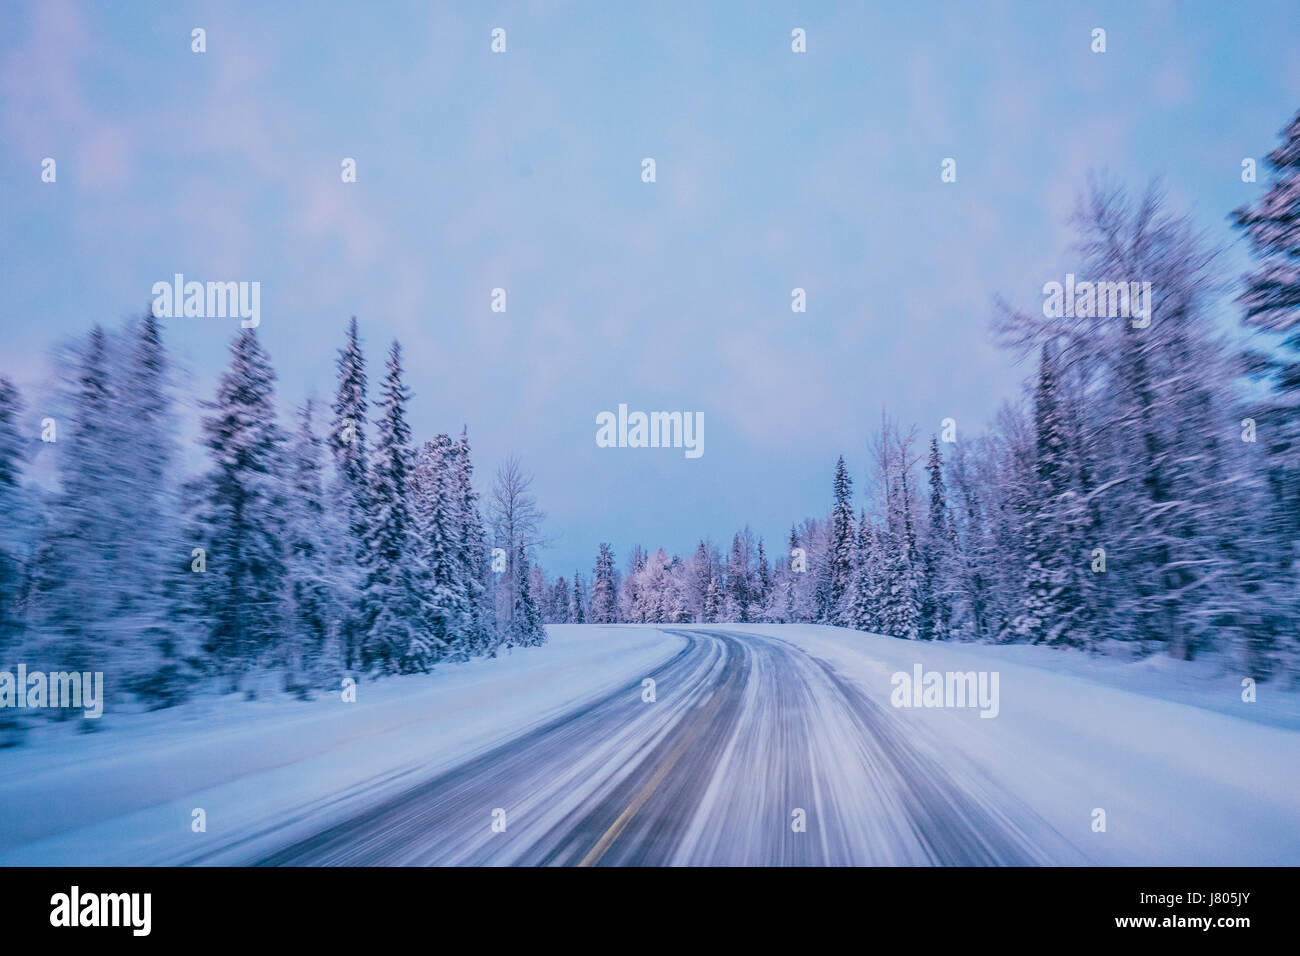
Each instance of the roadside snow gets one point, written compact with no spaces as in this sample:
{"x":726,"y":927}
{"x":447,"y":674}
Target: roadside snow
{"x":1187,"y":773}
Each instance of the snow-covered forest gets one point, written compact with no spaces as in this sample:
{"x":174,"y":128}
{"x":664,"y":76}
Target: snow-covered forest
{"x":1144,"y":493}
{"x":271,"y":561}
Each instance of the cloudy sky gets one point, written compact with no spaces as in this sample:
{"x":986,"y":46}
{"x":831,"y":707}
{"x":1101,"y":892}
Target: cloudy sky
{"x":522,"y":170}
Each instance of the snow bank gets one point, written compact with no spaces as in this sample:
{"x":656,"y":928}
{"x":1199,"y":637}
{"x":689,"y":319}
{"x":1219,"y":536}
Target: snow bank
{"x":1187,"y":773}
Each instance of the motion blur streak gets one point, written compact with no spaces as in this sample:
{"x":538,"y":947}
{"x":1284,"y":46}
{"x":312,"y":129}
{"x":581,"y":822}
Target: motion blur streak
{"x":745,"y":731}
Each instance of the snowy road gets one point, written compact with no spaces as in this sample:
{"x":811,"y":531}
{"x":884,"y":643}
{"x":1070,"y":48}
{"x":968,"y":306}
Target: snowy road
{"x":747,"y":736}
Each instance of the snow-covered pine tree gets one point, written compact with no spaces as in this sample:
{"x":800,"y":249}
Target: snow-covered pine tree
{"x":472,"y":549}
{"x":604,"y":589}
{"x":1044,"y":615}
{"x":434,"y":504}
{"x":762,"y":587}
{"x":75,"y":587}
{"x":347,"y":443}
{"x":812,"y":588}
{"x":241,"y":522}
{"x":144,"y":403}
{"x":528,"y":628}
{"x":400,"y":636}
{"x":936,"y":556}
{"x":840,"y":545}
{"x":738,"y":584}
{"x":160,"y":654}
{"x":789,"y":580}
{"x":699,"y":574}
{"x":560,"y":597}
{"x":975,"y":552}
{"x":629,"y":596}
{"x":1271,"y":307}
{"x":310,"y":654}
{"x":578,"y":602}
{"x":900,"y":614}
{"x":540,"y":590}
{"x":713,"y":602}
{"x":856,"y":609}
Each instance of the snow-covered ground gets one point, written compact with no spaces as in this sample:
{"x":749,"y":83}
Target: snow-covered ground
{"x":1186,"y":772}
{"x":126,"y":795}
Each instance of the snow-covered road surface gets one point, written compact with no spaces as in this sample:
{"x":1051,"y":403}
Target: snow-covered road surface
{"x":765,"y":744}
{"x":748,"y":735}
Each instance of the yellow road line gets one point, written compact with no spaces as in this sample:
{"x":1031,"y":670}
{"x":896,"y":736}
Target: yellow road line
{"x":616,"y":828}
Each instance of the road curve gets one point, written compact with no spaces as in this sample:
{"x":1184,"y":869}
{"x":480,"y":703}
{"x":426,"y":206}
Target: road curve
{"x":747,"y":736}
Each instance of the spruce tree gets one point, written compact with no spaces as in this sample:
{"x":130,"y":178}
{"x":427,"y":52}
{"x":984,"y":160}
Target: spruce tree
{"x":351,"y":494}
{"x":528,"y":628}
{"x":840,"y":544}
{"x":1048,"y":608}
{"x":241,"y":525}
{"x":713,"y":602}
{"x":577,"y":613}
{"x":936,"y":556}
{"x":76,"y":589}
{"x":471,"y":550}
{"x":1271,"y":307}
{"x":738,"y":585}
{"x":310,"y":655}
{"x":434,"y":497}
{"x":604,"y":594}
{"x":860,"y":613}
{"x":559,"y":601}
{"x":400,"y":636}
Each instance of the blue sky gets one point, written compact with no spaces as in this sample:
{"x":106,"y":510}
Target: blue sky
{"x":522,"y":171}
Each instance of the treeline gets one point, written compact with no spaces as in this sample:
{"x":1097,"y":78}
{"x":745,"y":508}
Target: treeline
{"x":293,"y":552}
{"x":1144,"y":491}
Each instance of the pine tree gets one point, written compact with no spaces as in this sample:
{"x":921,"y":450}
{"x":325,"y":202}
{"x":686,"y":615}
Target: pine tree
{"x":347,"y":443}
{"x":577,"y":605}
{"x":399,"y":635}
{"x":604,"y":589}
{"x":559,"y":602}
{"x":738,"y":585}
{"x":630,"y":606}
{"x":936,"y":556}
{"x":241,"y":525}
{"x":528,"y":628}
{"x":700,"y":573}
{"x":310,"y":654}
{"x":1271,"y":304}
{"x":791,"y":606}
{"x":162,"y":652}
{"x":900,"y":612}
{"x":471,"y":551}
{"x":839,"y":557}
{"x":860,"y":613}
{"x":1042,"y":613}
{"x":75,"y":585}
{"x":713,"y":602}
{"x":763,"y":586}
{"x":433,"y":490}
